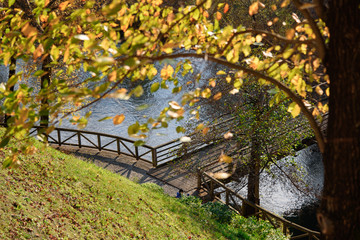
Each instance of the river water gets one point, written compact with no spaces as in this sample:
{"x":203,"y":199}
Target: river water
{"x":279,"y":196}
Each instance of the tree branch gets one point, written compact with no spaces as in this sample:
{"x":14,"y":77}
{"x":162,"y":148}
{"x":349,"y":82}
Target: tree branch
{"x":270,"y":34}
{"x":318,"y":135}
{"x":319,"y":39}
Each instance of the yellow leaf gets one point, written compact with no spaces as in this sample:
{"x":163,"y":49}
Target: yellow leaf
{"x":290,"y":34}
{"x":254,"y":8}
{"x":206,"y":93}
{"x":63,"y":5}
{"x":205,"y":14}
{"x":38,"y":51}
{"x":212,"y":83}
{"x":327,"y":91}
{"x":217,"y":96}
{"x":200,"y":127}
{"x":28,"y":30}
{"x":44,"y":18}
{"x":285,"y":3}
{"x":258,"y":38}
{"x":118,"y":119}
{"x":226,"y":8}
{"x":316,"y":64}
{"x":75,"y":118}
{"x":112,"y":76}
{"x":205,"y":130}
{"x":218,"y":15}
{"x":66,"y":54}
{"x":319,"y":90}
{"x":167,"y":72}
{"x":78,"y":29}
{"x":294,"y":109}
{"x":224,"y":158}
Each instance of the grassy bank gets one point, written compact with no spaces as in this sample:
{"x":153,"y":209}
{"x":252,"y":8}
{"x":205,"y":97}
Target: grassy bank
{"x":52,"y":195}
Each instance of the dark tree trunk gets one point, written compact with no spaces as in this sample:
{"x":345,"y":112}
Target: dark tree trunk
{"x":253,"y":177}
{"x":339,"y":214}
{"x":45,"y":81}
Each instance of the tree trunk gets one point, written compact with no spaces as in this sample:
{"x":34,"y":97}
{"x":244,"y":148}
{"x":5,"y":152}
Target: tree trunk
{"x":339,"y":214}
{"x":45,"y":81}
{"x":253,"y":177}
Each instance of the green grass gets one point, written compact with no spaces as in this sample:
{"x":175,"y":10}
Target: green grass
{"x":52,"y":195}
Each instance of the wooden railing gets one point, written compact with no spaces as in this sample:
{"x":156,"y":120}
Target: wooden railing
{"x":99,"y":141}
{"x":174,"y":149}
{"x":236,"y":202}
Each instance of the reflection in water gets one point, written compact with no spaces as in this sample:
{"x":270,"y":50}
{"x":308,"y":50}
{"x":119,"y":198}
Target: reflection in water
{"x":281,"y":197}
{"x":154,"y":102}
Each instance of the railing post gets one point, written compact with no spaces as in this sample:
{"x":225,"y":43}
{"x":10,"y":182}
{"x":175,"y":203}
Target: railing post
{"x":227,"y":196}
{"x":154,"y":157}
{"x":118,"y":146}
{"x":59,"y":136}
{"x":99,"y":141}
{"x":212,"y":187}
{"x":199,"y":180}
{"x":79,"y":139}
{"x":242,"y":207}
{"x":284,"y":228}
{"x":137,"y":152}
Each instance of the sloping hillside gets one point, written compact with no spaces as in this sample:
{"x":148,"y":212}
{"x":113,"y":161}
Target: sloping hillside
{"x":52,"y":195}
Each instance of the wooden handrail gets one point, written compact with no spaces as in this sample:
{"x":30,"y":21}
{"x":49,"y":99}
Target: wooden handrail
{"x":229,"y":192}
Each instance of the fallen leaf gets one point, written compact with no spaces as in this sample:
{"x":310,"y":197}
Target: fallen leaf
{"x":224,"y":158}
{"x":228,"y":135}
{"x":185,"y":139}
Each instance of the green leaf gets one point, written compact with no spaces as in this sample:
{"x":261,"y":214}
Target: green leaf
{"x":39,"y":73}
{"x":4,"y":142}
{"x":207,"y":4}
{"x":142,"y":107}
{"x":180,"y":129}
{"x":294,"y":109}
{"x":105,"y":118}
{"x":139,"y":143}
{"x":196,"y":14}
{"x":133,"y":129}
{"x":154,"y":87}
{"x":7,"y":162}
{"x":11,"y":2}
{"x":138,"y":91}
